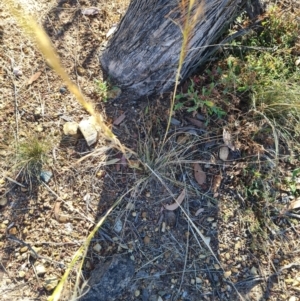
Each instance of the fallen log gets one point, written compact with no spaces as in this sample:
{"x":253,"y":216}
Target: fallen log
{"x":142,"y":56}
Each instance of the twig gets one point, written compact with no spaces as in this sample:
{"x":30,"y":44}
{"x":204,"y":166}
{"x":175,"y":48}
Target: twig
{"x":14,"y":181}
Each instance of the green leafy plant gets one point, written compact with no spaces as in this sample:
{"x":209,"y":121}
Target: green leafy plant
{"x":102,"y":89}
{"x":106,"y":91}
{"x":199,"y":100}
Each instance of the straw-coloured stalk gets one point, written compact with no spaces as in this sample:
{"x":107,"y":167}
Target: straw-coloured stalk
{"x":190,"y":17}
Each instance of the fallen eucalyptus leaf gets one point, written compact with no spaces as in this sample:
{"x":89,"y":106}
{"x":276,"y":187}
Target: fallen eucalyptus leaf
{"x":177,"y":202}
{"x":33,"y":78}
{"x":196,"y":122}
{"x":120,"y":119}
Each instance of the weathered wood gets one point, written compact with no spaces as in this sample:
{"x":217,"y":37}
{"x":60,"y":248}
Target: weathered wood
{"x":142,"y":56}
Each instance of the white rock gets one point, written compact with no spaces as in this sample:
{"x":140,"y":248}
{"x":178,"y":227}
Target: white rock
{"x":97,"y":247}
{"x":40,"y":269}
{"x":71,"y":128}
{"x":118,"y":226}
{"x":89,"y":131}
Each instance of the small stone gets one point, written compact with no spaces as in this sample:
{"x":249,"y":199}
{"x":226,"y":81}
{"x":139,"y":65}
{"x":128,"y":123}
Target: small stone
{"x":50,"y":283}
{"x":193,"y":281}
{"x":40,"y":270}
{"x":159,"y":298}
{"x":227,"y":274}
{"x":39,"y":128}
{"x":224,"y":153}
{"x":97,"y":248}
{"x":148,"y":194}
{"x":253,"y":271}
{"x":13,"y":231}
{"x":37,"y":112}
{"x":137,"y":293}
{"x":173,"y":280}
{"x":146,"y":240}
{"x":17,"y":71}
{"x":24,"y":249}
{"x":46,"y":175}
{"x":144,"y":214}
{"x":21,"y":274}
{"x":3,"y":201}
{"x":293,"y":298}
{"x":175,"y":121}
{"x":88,"y":264}
{"x":80,"y":71}
{"x":36,"y":250}
{"x":118,"y":226}
{"x":71,"y":129}
{"x":62,"y":90}
{"x":133,"y":214}
{"x":198,"y":280}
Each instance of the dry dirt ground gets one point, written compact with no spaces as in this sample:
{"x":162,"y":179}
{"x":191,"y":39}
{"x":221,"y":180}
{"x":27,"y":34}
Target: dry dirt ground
{"x":249,"y":257}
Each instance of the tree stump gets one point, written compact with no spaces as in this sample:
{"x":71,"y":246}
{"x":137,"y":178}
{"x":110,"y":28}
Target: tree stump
{"x":142,"y":56}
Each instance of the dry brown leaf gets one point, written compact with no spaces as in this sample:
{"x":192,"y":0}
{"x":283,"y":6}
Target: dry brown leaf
{"x":56,"y":210}
{"x":62,"y":218}
{"x":119,"y":119}
{"x":199,"y":174}
{"x":177,"y":202}
{"x":196,"y":122}
{"x":216,"y":183}
{"x":33,"y":78}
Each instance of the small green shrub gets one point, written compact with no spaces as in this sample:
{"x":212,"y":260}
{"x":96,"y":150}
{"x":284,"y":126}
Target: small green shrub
{"x":195,"y":100}
{"x":106,"y":91}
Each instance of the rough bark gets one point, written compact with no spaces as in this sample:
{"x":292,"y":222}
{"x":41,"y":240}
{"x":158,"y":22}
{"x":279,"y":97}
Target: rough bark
{"x":142,"y":56}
